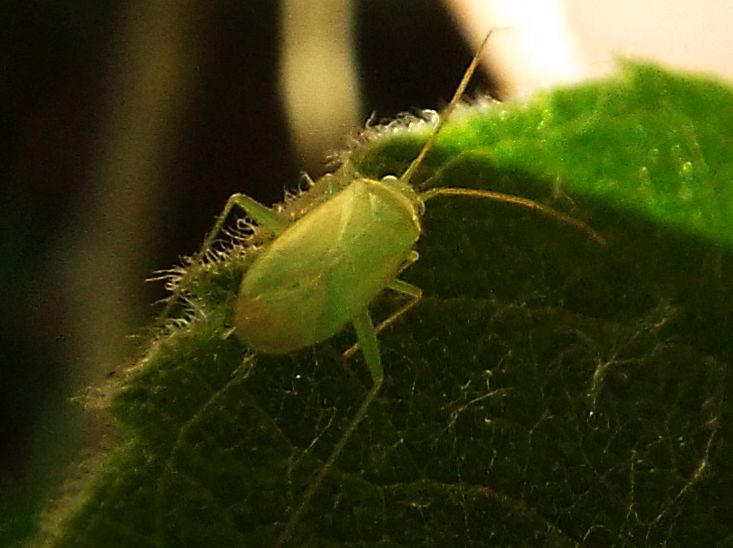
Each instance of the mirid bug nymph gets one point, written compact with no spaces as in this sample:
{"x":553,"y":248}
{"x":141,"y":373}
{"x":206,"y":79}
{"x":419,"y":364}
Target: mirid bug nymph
{"x":319,"y":269}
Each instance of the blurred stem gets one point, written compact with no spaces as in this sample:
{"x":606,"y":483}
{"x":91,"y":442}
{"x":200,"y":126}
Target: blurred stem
{"x":149,"y":88}
{"x":318,"y":76}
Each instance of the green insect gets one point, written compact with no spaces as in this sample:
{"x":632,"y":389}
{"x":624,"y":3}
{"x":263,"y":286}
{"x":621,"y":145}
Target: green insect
{"x":329,"y":254}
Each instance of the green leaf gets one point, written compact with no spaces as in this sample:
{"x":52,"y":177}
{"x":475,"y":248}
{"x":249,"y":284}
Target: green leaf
{"x":546,"y":391}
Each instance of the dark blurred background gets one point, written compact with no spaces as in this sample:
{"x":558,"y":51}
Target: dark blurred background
{"x":126,"y":125}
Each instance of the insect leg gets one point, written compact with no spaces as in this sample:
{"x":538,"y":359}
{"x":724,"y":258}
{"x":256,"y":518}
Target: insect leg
{"x":367,"y":336}
{"x":412,"y":291}
{"x":259,"y":213}
{"x":516,"y":200}
{"x":406,"y":289}
{"x":265,"y":217}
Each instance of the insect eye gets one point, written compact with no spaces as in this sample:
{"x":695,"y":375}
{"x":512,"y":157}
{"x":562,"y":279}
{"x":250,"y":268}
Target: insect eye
{"x":389,"y":179}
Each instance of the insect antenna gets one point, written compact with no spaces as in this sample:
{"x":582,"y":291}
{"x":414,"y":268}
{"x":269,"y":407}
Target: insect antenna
{"x":484,"y":194}
{"x":519,"y":201}
{"x":446,"y":112}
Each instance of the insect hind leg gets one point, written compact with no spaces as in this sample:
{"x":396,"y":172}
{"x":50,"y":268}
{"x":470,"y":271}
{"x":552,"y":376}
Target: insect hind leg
{"x":367,"y":336}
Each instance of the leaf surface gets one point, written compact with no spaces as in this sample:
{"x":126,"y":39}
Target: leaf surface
{"x":546,"y":391}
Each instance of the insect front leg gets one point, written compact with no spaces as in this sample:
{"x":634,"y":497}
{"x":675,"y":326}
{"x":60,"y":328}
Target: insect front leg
{"x":412,"y":291}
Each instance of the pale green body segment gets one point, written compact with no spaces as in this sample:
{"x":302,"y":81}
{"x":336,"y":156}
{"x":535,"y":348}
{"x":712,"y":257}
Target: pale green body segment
{"x":328,"y":266}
